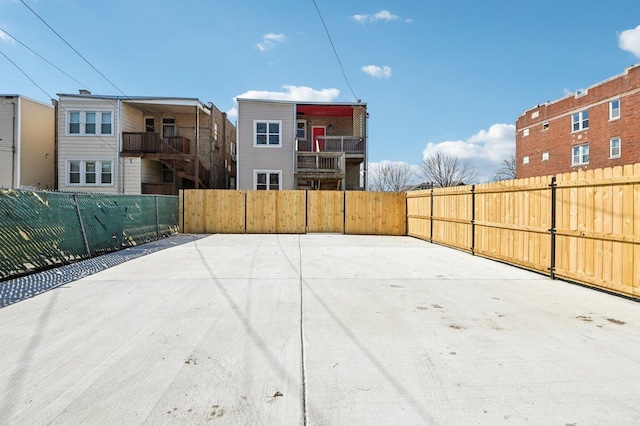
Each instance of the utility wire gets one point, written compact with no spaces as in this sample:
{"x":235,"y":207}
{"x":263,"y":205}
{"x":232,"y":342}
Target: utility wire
{"x":332,"y":45}
{"x":43,"y":58}
{"x":72,"y":48}
{"x":48,"y":95}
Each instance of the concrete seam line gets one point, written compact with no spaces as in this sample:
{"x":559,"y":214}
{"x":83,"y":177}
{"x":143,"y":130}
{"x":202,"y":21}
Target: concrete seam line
{"x":303,"y":371}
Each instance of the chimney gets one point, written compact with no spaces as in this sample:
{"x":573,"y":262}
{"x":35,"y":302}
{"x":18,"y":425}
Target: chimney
{"x":85,"y":92}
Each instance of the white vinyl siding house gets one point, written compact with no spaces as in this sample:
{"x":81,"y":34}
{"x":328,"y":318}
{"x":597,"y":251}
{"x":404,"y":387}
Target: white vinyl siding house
{"x":27,"y":143}
{"x":86,"y":148}
{"x":270,"y":127}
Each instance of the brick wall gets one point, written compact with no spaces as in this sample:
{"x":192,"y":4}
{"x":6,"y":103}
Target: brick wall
{"x":550,"y":129}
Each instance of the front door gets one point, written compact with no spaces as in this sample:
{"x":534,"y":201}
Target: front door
{"x":318,"y":144}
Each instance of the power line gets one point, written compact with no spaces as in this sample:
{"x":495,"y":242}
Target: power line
{"x":43,"y":58}
{"x":332,"y":46}
{"x":72,"y":48}
{"x":45,"y":92}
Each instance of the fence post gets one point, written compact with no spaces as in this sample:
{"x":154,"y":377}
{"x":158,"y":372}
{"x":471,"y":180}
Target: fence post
{"x":554,"y":189}
{"x":431,"y":220}
{"x":473,"y":219}
{"x":84,"y":233}
{"x":157,"y":218}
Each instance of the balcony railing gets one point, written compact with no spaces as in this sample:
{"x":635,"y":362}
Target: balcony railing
{"x":346,"y":144}
{"x":152,"y":143}
{"x":321,"y":163}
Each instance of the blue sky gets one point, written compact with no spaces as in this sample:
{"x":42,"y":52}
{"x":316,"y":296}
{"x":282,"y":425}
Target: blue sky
{"x":450,"y":76}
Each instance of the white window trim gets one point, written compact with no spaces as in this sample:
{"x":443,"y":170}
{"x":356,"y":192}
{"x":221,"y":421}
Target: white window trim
{"x":581,"y":163}
{"x":304,"y":138}
{"x":611,"y":148}
{"x":581,"y":121}
{"x":83,"y":171}
{"x":525,"y":159}
{"x":611,"y":117}
{"x":83,"y":122}
{"x":268,"y":172}
{"x":255,"y":136}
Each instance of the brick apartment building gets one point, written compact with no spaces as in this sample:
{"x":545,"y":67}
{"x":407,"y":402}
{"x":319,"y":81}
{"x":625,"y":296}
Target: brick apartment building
{"x":594,"y":128}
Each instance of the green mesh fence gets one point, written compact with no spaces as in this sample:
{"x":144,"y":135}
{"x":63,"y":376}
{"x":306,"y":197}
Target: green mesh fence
{"x":44,"y":229}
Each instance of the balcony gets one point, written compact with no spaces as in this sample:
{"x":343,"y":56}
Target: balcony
{"x":320,"y":165}
{"x":352,"y":146}
{"x":152,"y":143}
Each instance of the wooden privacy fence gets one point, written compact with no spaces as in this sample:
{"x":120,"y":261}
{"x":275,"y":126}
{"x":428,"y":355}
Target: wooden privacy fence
{"x":292,"y":212}
{"x":581,"y":226}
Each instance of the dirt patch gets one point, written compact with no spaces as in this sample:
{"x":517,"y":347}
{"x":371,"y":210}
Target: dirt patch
{"x":584,"y":318}
{"x":615,"y":321}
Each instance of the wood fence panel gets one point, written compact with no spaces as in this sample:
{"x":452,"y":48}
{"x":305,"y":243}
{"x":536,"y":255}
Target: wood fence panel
{"x":275,"y":212}
{"x":512,"y":219}
{"x":325,"y":211}
{"x":452,"y":217}
{"x":419,"y":214}
{"x":598,"y":238}
{"x":225,"y":211}
{"x":291,"y":212}
{"x":375,"y":213}
{"x":193,"y":215}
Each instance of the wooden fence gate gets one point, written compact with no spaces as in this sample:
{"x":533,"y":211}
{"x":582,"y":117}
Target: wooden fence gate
{"x":215,"y":211}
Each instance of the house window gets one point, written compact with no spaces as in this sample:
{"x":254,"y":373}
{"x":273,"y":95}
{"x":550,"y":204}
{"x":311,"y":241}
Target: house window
{"x":525,"y":160}
{"x":267,"y":133}
{"x":580,"y":155}
{"x":580,"y":120}
{"x":90,"y":173}
{"x":150,"y":125}
{"x":90,"y":123}
{"x":614,"y":109}
{"x":74,"y":123}
{"x":525,"y":132}
{"x":168,"y":127}
{"x":215,"y":131}
{"x":301,"y":130}
{"x":545,"y":126}
{"x":86,"y":123}
{"x":264,"y":180}
{"x":74,"y":172}
{"x":545,"y":156}
{"x":614,"y":148}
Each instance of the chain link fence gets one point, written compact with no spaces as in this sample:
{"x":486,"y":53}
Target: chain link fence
{"x":39,"y":230}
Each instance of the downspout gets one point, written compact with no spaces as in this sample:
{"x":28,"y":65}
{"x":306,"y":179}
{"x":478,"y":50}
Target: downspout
{"x":13,"y":148}
{"x":366,"y":149}
{"x":197,"y":165}
{"x":119,"y":179}
{"x":16,"y":143}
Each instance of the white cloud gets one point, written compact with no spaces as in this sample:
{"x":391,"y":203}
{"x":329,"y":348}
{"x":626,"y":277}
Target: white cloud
{"x":232,"y":114}
{"x":383,"y":15}
{"x":485,"y":150}
{"x":269,"y":41}
{"x":629,"y":40}
{"x":377,"y":72}
{"x":294,"y":93}
{"x":5,"y":37}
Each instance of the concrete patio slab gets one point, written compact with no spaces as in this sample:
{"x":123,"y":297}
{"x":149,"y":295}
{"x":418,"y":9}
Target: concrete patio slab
{"x":323,"y":330}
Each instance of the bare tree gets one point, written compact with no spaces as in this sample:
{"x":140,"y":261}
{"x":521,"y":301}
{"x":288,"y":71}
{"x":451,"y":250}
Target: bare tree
{"x":390,"y":177}
{"x":447,"y":170}
{"x":507,"y":169}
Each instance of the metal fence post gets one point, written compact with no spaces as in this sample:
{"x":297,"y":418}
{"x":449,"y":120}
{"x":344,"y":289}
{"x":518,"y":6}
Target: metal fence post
{"x":554,"y":189}
{"x":157,"y":218}
{"x":84,"y":233}
{"x":473,"y":219}
{"x":431,"y":220}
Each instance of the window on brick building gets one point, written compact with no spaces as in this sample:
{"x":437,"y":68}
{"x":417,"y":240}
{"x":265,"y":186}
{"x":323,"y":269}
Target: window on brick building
{"x":545,"y":156}
{"x":614,"y":148}
{"x":525,"y":160}
{"x":614,"y":109}
{"x":545,"y":125}
{"x":525,"y":132}
{"x":580,"y":155}
{"x":580,"y":120}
